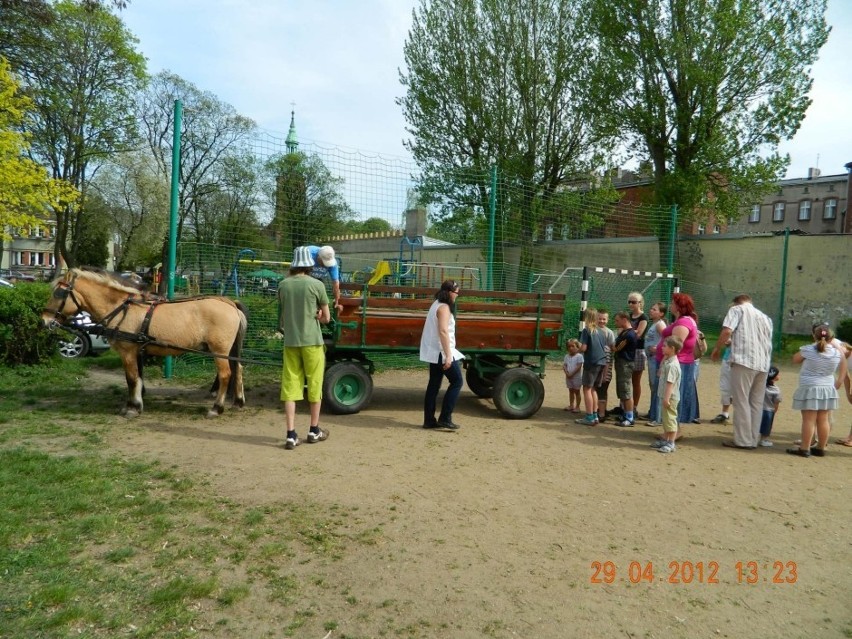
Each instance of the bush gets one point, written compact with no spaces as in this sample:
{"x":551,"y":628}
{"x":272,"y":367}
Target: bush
{"x":22,"y":338}
{"x":844,"y":330}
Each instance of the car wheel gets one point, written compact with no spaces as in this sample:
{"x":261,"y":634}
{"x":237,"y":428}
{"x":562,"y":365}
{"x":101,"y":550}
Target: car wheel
{"x":75,"y":345}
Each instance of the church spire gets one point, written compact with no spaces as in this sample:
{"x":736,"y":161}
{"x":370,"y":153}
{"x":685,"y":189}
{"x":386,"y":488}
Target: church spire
{"x":292,"y":142}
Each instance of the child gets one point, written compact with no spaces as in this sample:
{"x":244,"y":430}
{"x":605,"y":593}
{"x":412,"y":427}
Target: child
{"x":725,"y":396}
{"x":624,"y":354}
{"x":652,"y":337}
{"x":771,"y":401}
{"x":605,"y":377}
{"x":816,"y":395}
{"x":593,"y":346}
{"x":572,"y":365}
{"x":669,"y":394}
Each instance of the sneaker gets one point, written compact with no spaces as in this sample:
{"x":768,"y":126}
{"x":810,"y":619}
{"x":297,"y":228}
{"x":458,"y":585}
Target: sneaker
{"x":659,"y":443}
{"x":626,"y":423}
{"x":719,"y":419}
{"x":667,"y":447}
{"x":587,"y":421}
{"x":314,"y":437}
{"x":766,"y":443}
{"x":291,"y":443}
{"x":653,"y":424}
{"x":696,"y":421}
{"x":448,"y":425}
{"x":817,"y":452}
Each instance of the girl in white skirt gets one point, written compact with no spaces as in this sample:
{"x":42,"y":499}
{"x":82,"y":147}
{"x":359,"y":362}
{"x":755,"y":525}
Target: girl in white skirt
{"x":817,"y":391}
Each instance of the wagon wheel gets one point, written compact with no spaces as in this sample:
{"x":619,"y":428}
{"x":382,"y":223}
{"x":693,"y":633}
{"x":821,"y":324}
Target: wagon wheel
{"x":480,"y":386}
{"x":346,"y":388}
{"x":518,"y":393}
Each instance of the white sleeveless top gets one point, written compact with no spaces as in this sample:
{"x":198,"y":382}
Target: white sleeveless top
{"x":430,"y":340}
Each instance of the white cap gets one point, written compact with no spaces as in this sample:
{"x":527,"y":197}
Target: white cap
{"x":302,"y":258}
{"x":326,"y":256}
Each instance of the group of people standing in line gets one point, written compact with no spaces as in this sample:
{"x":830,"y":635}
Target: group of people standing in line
{"x":670,"y":352}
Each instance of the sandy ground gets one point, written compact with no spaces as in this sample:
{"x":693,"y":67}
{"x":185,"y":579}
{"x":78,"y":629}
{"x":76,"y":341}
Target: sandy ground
{"x":501,"y":529}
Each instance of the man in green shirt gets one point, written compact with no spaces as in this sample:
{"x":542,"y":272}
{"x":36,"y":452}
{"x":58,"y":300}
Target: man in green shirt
{"x":302,"y":307}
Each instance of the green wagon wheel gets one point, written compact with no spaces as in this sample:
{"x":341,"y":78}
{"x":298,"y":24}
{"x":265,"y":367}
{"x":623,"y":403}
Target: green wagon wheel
{"x":347,"y":388}
{"x":518,"y":393}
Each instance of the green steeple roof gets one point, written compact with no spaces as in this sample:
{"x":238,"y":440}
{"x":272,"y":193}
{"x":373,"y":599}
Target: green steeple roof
{"x":292,"y":142}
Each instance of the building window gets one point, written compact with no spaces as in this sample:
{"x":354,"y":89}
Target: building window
{"x":564,"y":231}
{"x":778,"y":212}
{"x":701,"y":229}
{"x":829,"y":212}
{"x":716,"y":229}
{"x":548,"y":233}
{"x":754,"y":216}
{"x":804,"y":210}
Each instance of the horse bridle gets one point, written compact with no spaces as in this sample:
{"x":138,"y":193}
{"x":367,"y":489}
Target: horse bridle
{"x":63,"y":291}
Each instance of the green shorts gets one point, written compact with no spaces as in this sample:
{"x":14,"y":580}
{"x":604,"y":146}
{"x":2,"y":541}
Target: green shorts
{"x":302,"y":363}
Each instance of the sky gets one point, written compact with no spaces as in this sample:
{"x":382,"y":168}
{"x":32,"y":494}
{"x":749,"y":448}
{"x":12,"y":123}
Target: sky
{"x":337,"y":62}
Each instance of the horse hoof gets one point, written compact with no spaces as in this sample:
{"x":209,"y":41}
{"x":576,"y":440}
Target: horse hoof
{"x":130,"y":413}
{"x":212,"y":413}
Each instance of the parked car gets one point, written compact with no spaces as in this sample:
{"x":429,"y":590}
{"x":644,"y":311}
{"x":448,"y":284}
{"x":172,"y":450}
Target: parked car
{"x":76,"y":342}
{"x":18,"y":276}
{"x":6,"y":283}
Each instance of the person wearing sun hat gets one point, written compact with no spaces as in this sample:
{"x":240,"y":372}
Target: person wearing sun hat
{"x":302,"y":307}
{"x":325,"y":264}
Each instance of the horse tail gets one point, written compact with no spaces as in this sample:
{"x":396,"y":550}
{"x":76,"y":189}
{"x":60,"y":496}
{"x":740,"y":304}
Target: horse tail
{"x":237,"y":347}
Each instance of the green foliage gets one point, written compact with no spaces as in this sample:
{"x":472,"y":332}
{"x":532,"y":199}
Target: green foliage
{"x":26,"y":189}
{"x":705,"y":90}
{"x":490,"y":83}
{"x":82,"y":73}
{"x":22,"y":338}
{"x":844,"y":330}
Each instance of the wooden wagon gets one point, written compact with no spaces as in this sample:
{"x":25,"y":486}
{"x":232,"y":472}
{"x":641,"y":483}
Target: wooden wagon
{"x":505,"y":337}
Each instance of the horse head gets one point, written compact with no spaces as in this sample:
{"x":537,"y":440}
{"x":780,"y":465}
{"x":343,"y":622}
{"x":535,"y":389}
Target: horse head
{"x":64,"y":302}
{"x":86,"y":289}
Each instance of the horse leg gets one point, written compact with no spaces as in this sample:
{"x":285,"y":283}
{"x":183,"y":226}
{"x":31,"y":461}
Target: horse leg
{"x":239,"y":394}
{"x":224,"y":376}
{"x":134,"y":383}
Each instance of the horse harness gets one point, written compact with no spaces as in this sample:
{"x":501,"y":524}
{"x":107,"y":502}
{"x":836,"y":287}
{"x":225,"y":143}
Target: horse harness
{"x":64,"y":290}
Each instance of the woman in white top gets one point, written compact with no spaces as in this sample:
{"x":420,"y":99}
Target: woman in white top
{"x":438,"y":348}
{"x":817,"y":391}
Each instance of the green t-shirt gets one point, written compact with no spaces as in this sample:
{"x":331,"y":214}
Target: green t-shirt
{"x":299,"y":298}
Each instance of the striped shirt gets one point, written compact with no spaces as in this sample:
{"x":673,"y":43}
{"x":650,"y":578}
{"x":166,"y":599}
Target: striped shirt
{"x":751,"y":336}
{"x":818,"y":368}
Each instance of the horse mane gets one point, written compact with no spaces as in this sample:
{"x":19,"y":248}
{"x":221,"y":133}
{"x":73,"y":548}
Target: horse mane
{"x":111,"y":280}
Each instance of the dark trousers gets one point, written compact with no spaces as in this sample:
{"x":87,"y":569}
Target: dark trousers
{"x":436,"y":375}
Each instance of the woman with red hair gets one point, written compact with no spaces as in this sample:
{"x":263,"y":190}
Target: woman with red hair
{"x":685,"y":327}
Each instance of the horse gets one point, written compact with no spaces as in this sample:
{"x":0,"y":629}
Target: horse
{"x":137,"y":323}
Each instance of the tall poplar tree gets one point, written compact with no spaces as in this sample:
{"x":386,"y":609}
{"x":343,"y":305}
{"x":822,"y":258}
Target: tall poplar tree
{"x":706,"y":90}
{"x":505,"y":84}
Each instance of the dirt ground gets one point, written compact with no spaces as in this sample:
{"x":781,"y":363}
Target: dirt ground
{"x":501,"y":529}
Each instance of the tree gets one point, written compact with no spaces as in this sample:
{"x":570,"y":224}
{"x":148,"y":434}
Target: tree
{"x":26,"y":189}
{"x":83,"y":76}
{"x":213,"y":133}
{"x":504,"y":84}
{"x":135,"y":200}
{"x":706,"y":90}
{"x":308,"y":204}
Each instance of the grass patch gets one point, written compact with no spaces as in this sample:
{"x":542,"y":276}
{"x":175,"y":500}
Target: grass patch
{"x":98,"y":546}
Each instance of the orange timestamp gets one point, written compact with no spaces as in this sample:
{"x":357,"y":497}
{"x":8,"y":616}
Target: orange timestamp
{"x":701,"y":572}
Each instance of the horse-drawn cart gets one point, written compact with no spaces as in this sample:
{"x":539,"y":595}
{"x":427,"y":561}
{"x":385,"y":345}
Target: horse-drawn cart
{"x":505,"y":337}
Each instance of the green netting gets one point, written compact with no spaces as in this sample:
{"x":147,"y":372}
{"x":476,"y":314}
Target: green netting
{"x":487,"y":230}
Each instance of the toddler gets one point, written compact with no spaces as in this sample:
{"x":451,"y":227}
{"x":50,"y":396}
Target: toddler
{"x":771,"y":402}
{"x":669,"y":394}
{"x":572,"y":365}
